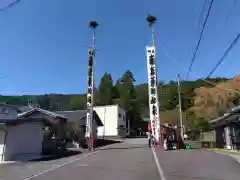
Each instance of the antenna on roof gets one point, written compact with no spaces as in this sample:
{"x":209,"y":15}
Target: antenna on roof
{"x":30,"y":103}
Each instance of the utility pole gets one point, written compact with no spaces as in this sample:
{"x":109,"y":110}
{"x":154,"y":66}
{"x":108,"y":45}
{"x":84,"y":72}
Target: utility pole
{"x":180,"y":106}
{"x":90,"y":96}
{"x":152,"y":82}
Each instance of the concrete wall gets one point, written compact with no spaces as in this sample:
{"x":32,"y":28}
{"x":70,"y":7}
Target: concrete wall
{"x":2,"y":137}
{"x":24,"y":140}
{"x":208,"y":136}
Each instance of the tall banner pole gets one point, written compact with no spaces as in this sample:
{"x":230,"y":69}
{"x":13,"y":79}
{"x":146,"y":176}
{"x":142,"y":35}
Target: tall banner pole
{"x":89,"y":120}
{"x":153,"y":82}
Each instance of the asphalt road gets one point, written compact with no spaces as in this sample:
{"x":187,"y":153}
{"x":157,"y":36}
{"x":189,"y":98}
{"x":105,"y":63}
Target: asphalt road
{"x":131,"y":160}
{"x":198,"y":165}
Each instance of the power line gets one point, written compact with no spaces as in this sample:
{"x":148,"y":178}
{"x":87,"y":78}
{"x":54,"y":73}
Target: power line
{"x":231,"y":10}
{"x":224,"y":55}
{"x":10,"y":5}
{"x":202,"y":12}
{"x":179,"y":65}
{"x":200,"y":38}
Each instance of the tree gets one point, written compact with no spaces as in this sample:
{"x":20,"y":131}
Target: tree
{"x":126,"y":89}
{"x":142,"y":94}
{"x":128,"y":98}
{"x":116,"y":90}
{"x":77,"y":102}
{"x":45,"y":102}
{"x":196,"y":125}
{"x":73,"y":130}
{"x":105,"y":90}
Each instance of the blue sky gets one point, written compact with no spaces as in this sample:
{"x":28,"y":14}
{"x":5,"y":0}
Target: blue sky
{"x":43,"y":42}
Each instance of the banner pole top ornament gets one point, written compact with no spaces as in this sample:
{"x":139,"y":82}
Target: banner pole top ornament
{"x":93,"y":24}
{"x":151,"y":20}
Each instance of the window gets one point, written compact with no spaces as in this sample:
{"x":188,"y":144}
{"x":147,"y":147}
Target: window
{"x":119,"y":115}
{"x":4,"y":111}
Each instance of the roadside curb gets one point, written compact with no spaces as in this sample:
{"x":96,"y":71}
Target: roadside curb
{"x":223,"y":150}
{"x":235,"y":155}
{"x":7,"y":162}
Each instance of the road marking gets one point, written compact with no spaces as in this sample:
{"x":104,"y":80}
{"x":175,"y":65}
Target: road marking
{"x":64,"y":164}
{"x":235,"y":156}
{"x":82,"y":165}
{"x":160,"y":170}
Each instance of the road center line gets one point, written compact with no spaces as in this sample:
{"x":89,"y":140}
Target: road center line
{"x":64,"y":164}
{"x":160,"y":170}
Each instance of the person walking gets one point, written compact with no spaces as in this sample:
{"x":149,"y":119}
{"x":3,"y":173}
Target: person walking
{"x":150,"y":136}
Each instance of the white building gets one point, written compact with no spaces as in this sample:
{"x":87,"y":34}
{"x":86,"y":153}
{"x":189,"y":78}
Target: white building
{"x":114,"y":121}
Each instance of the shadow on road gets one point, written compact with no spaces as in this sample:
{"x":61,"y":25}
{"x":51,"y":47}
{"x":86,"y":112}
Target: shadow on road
{"x":56,"y":156}
{"x":50,"y":157}
{"x":135,"y":147}
{"x":135,"y":137}
{"x":105,"y":142}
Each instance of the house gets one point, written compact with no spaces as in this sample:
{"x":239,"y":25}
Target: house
{"x":79,"y":117}
{"x":227,"y":129}
{"x":22,"y":133}
{"x":114,"y":121}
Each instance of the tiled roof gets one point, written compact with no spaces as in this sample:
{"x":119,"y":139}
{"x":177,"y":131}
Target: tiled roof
{"x":24,"y":108}
{"x":49,"y":113}
{"x":226,"y":115}
{"x":73,"y":116}
{"x":79,"y":115}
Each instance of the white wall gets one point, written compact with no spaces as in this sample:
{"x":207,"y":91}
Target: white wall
{"x":2,"y":137}
{"x":122,"y":117}
{"x":228,"y":138}
{"x":24,"y":139}
{"x":122,"y":121}
{"x":109,"y":118}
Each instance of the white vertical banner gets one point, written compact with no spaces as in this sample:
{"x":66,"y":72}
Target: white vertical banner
{"x":90,"y":93}
{"x":152,"y":91}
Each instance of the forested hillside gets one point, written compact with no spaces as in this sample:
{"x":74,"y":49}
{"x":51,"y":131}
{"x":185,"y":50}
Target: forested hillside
{"x":200,"y":100}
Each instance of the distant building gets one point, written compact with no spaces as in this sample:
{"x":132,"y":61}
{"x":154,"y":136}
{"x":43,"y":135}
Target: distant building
{"x":114,"y":121}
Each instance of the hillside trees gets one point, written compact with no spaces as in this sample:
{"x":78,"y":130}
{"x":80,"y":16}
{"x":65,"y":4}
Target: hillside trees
{"x":134,"y":98}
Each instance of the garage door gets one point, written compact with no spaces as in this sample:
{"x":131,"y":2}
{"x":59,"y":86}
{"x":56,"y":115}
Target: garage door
{"x":2,"y":137}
